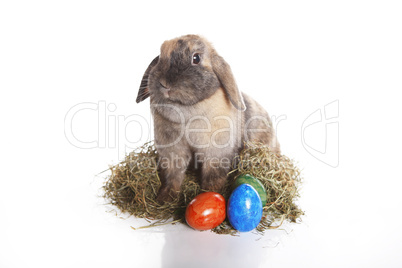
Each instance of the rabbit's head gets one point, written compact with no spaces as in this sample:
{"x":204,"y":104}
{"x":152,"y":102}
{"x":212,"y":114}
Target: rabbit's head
{"x":187,"y":71}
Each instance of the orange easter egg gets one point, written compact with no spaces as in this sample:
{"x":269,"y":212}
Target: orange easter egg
{"x":206,"y":211}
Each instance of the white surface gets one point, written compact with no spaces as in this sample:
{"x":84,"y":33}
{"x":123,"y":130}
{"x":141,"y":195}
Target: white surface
{"x":294,"y":57}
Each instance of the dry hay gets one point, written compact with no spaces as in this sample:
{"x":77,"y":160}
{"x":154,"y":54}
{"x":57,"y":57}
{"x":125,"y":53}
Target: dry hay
{"x":133,"y":185}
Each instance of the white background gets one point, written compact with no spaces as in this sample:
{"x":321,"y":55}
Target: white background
{"x":294,"y":57}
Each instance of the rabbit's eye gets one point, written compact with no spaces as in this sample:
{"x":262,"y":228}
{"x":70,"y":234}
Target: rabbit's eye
{"x":196,"y":58}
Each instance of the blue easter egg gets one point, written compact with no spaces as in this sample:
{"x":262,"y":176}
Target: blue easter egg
{"x":244,"y":208}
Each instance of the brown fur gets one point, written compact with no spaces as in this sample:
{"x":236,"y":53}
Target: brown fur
{"x":200,"y":116}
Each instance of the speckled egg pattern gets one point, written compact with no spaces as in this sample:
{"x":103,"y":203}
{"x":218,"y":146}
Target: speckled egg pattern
{"x":244,"y":208}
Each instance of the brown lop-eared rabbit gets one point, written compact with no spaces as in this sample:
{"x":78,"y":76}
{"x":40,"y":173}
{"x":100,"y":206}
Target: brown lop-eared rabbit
{"x":201,"y":119}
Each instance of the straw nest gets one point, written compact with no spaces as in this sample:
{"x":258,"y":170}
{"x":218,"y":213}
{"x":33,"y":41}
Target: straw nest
{"x":133,"y":185}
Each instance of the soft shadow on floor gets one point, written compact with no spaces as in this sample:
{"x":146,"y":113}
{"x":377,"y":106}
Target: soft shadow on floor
{"x":185,"y":247}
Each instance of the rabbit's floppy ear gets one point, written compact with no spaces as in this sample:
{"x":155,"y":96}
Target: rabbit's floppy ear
{"x":225,"y":76}
{"x":143,"y":92}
